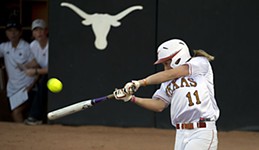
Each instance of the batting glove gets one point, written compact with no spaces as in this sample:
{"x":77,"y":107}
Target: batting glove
{"x":121,"y":94}
{"x":132,"y":87}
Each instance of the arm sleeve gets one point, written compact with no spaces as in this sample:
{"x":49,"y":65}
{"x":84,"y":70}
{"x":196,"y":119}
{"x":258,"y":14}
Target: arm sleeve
{"x":1,"y":50}
{"x":161,"y":94}
{"x":32,"y":45}
{"x":30,"y":55}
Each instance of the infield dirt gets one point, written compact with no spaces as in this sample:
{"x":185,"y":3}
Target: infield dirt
{"x":58,"y":137}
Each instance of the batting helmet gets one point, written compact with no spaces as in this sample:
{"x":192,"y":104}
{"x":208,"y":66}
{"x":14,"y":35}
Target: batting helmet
{"x":174,"y":49}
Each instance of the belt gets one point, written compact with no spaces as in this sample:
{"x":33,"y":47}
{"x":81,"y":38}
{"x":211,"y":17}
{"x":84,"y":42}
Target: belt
{"x":191,"y":125}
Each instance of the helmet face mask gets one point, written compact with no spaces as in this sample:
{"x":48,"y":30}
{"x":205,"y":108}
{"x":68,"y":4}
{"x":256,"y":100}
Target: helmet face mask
{"x":174,"y":49}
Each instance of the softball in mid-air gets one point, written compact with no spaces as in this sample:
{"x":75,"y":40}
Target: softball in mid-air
{"x":54,"y":85}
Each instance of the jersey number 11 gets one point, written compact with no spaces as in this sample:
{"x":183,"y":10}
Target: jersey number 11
{"x":189,"y":96}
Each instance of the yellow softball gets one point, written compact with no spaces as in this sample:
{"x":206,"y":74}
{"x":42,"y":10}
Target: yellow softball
{"x":54,"y":85}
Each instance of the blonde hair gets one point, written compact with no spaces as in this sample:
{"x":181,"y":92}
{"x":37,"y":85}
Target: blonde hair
{"x":203,"y":53}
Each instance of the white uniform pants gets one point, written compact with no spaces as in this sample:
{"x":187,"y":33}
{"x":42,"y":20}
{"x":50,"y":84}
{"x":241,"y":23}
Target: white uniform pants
{"x":197,"y":139}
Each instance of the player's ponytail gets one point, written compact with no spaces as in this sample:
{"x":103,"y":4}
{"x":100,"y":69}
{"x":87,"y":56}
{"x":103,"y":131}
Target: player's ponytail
{"x":203,"y":53}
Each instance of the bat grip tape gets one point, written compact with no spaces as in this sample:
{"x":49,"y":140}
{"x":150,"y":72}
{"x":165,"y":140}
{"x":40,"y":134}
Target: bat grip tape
{"x":97,"y":100}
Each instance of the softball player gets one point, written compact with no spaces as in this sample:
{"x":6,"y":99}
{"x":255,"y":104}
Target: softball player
{"x":187,"y":86}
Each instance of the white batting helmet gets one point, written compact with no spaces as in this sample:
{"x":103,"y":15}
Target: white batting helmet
{"x":174,"y":49}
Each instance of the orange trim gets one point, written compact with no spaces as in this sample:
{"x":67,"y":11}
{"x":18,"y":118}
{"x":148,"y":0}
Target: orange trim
{"x":166,"y":58}
{"x":144,"y":82}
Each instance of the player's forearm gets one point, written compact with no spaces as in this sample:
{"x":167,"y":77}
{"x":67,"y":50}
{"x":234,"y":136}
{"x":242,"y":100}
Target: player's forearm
{"x":32,"y":64}
{"x":42,"y":71}
{"x":164,"y":76}
{"x":150,"y":104}
{"x":156,"y":78}
{"x":159,"y":78}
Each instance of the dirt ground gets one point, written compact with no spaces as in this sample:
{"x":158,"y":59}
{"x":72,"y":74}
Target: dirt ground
{"x":15,"y":136}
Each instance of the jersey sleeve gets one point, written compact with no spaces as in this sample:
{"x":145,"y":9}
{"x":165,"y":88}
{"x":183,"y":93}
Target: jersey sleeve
{"x":29,"y":54}
{"x":1,"y":50}
{"x":198,"y":66}
{"x":32,"y":47}
{"x":161,"y":94}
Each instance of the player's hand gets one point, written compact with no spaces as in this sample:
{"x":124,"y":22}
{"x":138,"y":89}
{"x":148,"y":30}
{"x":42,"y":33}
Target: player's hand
{"x":132,"y":87}
{"x":121,"y":94}
{"x":30,"y":72}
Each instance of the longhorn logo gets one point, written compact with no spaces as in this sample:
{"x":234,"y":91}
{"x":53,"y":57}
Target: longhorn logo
{"x":101,"y":23}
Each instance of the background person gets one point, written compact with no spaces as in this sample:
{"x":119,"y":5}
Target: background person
{"x":40,"y":49}
{"x":187,"y":85}
{"x":16,"y":52}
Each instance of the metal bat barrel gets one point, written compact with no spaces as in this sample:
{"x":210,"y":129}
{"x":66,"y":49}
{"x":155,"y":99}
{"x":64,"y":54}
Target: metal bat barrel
{"x":69,"y":109}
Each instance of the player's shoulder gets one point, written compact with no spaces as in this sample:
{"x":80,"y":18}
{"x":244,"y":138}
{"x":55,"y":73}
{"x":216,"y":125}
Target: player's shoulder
{"x":5,"y":44}
{"x":199,"y":65}
{"x":34,"y":43}
{"x":22,"y":41}
{"x":199,"y":60}
{"x":23,"y":44}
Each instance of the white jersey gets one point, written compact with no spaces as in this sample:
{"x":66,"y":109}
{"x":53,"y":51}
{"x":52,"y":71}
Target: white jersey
{"x":191,"y":97}
{"x":40,"y":54}
{"x":17,"y":79}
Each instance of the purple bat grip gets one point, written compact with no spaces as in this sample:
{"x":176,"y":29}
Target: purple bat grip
{"x":97,"y":100}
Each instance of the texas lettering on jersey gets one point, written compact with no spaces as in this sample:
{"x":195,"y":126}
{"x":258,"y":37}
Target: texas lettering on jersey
{"x":185,"y":82}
